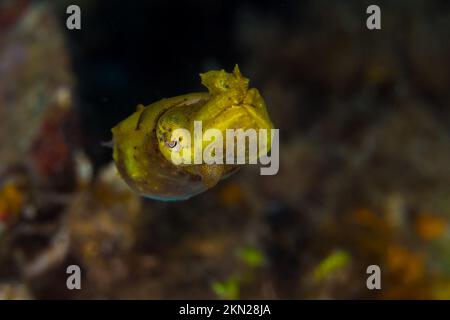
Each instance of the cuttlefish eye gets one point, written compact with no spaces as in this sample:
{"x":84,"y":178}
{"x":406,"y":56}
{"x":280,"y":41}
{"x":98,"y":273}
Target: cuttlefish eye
{"x":171,"y":144}
{"x":174,"y":145}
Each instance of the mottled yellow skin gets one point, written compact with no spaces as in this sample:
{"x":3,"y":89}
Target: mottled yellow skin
{"x":143,"y":145}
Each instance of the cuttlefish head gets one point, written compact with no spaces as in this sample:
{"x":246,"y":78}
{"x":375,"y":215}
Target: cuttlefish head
{"x":173,"y":135}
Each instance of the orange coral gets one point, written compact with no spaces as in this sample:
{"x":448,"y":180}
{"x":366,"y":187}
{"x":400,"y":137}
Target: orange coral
{"x":11,"y":201}
{"x":231,"y":194}
{"x":408,"y":266}
{"x":430,"y":227}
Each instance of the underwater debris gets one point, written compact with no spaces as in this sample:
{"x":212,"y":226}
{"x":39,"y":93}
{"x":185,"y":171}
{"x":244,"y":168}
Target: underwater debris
{"x":51,"y":257}
{"x":83,"y":168}
{"x":14,"y":291}
{"x":29,"y":88}
{"x":51,"y":154}
{"x":102,"y":222}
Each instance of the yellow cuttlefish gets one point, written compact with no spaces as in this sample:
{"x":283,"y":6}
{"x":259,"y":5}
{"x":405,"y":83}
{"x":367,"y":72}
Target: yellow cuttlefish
{"x":143,"y":143}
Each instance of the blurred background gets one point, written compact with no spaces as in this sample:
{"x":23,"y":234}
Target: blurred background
{"x":364,"y":174}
